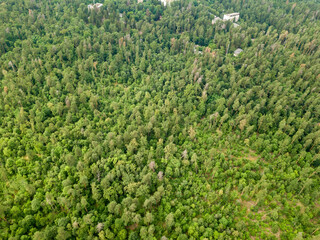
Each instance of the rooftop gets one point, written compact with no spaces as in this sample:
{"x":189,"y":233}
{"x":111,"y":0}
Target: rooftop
{"x":232,"y":14}
{"x":215,"y":19}
{"x":234,"y":17}
{"x":97,"y":5}
{"x":237,"y":52}
{"x":236,"y":25}
{"x":166,"y":2}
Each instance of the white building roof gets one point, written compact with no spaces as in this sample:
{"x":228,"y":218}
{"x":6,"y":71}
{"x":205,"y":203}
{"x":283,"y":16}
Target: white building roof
{"x":236,"y":25}
{"x":231,"y":16}
{"x":97,"y":5}
{"x":237,"y":52}
{"x":227,"y":17}
{"x":166,"y":2}
{"x":215,"y":19}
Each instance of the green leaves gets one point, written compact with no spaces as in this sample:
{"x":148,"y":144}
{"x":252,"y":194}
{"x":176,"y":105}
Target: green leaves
{"x":142,"y":126}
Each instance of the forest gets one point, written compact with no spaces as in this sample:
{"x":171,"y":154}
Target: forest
{"x":137,"y":121}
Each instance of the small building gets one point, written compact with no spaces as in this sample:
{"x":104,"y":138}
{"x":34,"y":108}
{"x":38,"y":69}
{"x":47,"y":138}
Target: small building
{"x":237,"y":52}
{"x":140,"y":1}
{"x":216,"y":19}
{"x":96,"y":5}
{"x":166,"y":2}
{"x":235,"y":25}
{"x":232,"y":17}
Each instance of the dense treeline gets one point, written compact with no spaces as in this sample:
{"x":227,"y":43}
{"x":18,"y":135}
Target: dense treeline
{"x":136,"y":121}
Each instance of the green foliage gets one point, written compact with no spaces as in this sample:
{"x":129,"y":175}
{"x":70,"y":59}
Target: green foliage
{"x":145,"y":125}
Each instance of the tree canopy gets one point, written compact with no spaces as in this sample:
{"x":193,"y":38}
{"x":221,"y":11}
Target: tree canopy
{"x":136,"y":120}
